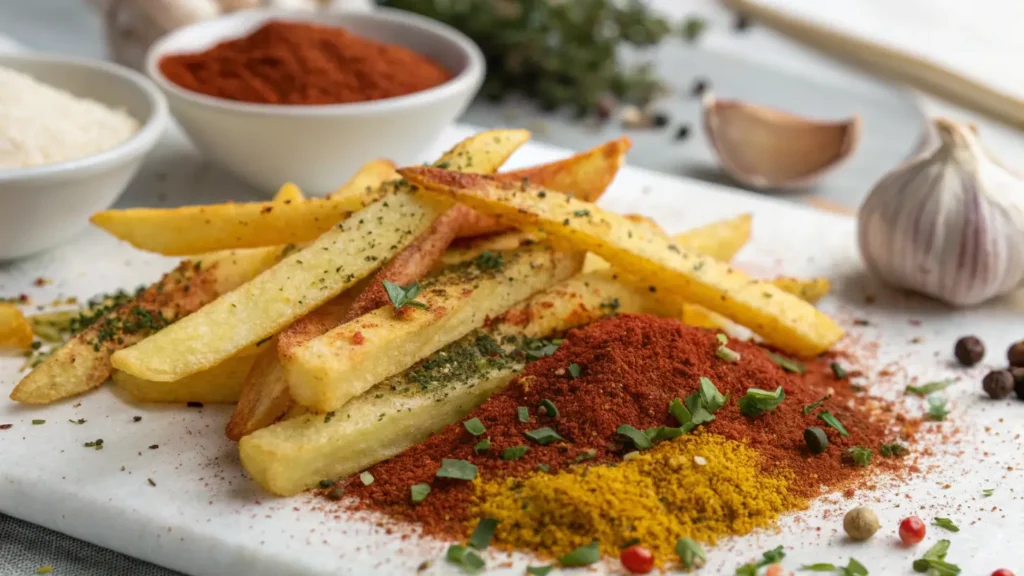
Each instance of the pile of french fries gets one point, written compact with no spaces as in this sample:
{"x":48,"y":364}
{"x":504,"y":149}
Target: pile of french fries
{"x":284,"y":309}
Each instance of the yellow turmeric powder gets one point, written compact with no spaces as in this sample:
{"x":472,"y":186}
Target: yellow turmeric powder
{"x":700,"y":486}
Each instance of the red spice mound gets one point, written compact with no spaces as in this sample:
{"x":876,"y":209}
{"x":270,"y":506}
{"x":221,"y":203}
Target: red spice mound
{"x":632,"y":366}
{"x":298,"y":63}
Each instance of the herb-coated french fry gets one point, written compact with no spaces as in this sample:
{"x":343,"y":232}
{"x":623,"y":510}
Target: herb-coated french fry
{"x":15,"y":331}
{"x":777,"y":316}
{"x":720,"y":240}
{"x":221,"y":384}
{"x":809,"y":289}
{"x":329,"y":370}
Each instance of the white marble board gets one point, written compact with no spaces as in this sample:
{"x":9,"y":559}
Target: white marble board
{"x":205,"y":517}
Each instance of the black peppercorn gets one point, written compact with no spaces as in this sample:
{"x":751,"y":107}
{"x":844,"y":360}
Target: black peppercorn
{"x":741,"y":24}
{"x":659,"y":119}
{"x":683,"y":132}
{"x":969,"y":350}
{"x":816,"y":439}
{"x":1018,"y":381}
{"x":700,"y":86}
{"x":998,"y":384}
{"x":1015,"y":354}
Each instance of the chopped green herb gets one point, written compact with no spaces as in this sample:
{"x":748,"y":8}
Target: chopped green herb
{"x":691,"y":553}
{"x":894,"y":450}
{"x":587,"y":454}
{"x":95,"y":444}
{"x":457,"y":469}
{"x":787,"y":364}
{"x":988,"y":492}
{"x":484,"y":532}
{"x":854,"y":568}
{"x":326,"y":483}
{"x":488,"y":260}
{"x":611,"y":305}
{"x":524,"y":413}
{"x":366,"y":478}
{"x":660,"y":433}
{"x":536,"y":348}
{"x":639,"y":439}
{"x":937,"y":409}
{"x":468,"y":560}
{"x":539,"y":570}
{"x":514,"y":453}
{"x":710,"y":396}
{"x":482,"y":446}
{"x":767,"y":558}
{"x":79,"y":422}
{"x":934,"y":561}
{"x":947,"y":524}
{"x":861,"y":456}
{"x":692,"y":28}
{"x":727,"y":354}
{"x":830,"y":419}
{"x":543,"y":467}
{"x":812,"y":407}
{"x":419,"y":492}
{"x":581,"y":213}
{"x":759,"y":401}
{"x":543,"y":436}
{"x":403,"y":295}
{"x":548,"y":408}
{"x":931,"y":387}
{"x":678,"y":411}
{"x":44,"y":569}
{"x":582,"y":556}
{"x":838,"y":371}
{"x":474,"y":426}
{"x":699,"y":413}
{"x":328,"y":417}
{"x":38,"y":422}
{"x":150,"y":480}
{"x":819,"y":567}
{"x":575,"y":370}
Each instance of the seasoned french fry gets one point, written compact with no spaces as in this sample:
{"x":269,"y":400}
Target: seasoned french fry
{"x":290,"y":192}
{"x":221,"y":384}
{"x":473,"y":247}
{"x":329,"y":370}
{"x":295,"y":454}
{"x":265,"y":396}
{"x":200,"y":229}
{"x":15,"y":331}
{"x":83,"y":363}
{"x":720,"y":240}
{"x":585,"y":175}
{"x":809,"y":289}
{"x":777,"y":316}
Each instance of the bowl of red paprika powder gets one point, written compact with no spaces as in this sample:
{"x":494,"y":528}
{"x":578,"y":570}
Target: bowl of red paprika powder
{"x":276,"y":96}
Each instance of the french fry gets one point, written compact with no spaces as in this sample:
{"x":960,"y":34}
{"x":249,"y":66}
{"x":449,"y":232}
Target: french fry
{"x":295,"y":454}
{"x":265,"y":396}
{"x":290,"y":192}
{"x":84,"y":362}
{"x":720,"y":240}
{"x":200,"y":229}
{"x":471,"y":248}
{"x":15,"y":331}
{"x":221,"y":384}
{"x":782,"y":319}
{"x":328,"y":371}
{"x":809,"y":289}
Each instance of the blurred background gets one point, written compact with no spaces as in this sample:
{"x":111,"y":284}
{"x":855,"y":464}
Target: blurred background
{"x":642,"y":68}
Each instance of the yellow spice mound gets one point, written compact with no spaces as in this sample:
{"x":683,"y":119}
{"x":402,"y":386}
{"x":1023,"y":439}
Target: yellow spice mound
{"x":700,"y":486}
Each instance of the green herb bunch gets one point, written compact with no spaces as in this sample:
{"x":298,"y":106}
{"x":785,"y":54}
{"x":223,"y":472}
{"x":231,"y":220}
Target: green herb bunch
{"x":559,"y":53}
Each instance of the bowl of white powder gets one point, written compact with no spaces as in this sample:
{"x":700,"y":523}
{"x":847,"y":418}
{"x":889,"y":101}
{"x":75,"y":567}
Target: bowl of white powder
{"x":73,"y":133}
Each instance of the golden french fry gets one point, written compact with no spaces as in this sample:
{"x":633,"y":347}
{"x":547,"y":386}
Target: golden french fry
{"x":15,"y":331}
{"x":780,"y":318}
{"x":473,"y":247}
{"x":289,"y":192}
{"x":221,"y":384}
{"x":327,"y":371}
{"x":199,"y":229}
{"x":720,"y":240}
{"x":809,"y":289}
{"x":265,"y":396}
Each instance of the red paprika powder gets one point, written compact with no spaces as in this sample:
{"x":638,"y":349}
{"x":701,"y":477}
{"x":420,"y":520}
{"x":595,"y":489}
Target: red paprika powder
{"x":298,"y":63}
{"x":629,"y":368}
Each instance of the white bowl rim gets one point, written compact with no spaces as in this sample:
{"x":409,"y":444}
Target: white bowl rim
{"x":138,"y":144}
{"x":468,"y":76}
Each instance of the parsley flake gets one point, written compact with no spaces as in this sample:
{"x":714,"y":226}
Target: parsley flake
{"x":457,"y":469}
{"x":930,"y":388}
{"x":483,"y":534}
{"x":474,"y":426}
{"x":401,"y":296}
{"x":860,"y":455}
{"x":947,"y":524}
{"x":575,"y":370}
{"x":543,"y":436}
{"x":419,"y":492}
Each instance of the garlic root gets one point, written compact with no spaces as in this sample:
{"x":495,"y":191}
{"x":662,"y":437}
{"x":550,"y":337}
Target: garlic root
{"x":767,"y":148}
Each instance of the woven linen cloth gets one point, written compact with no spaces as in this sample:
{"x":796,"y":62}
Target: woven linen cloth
{"x":24,"y":548}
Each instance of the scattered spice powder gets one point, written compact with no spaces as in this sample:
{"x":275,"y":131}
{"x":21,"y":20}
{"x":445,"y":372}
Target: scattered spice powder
{"x":632,"y":367}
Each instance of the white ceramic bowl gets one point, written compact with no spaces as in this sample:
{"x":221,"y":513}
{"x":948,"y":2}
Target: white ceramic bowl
{"x":319,"y":147}
{"x":42,"y":206}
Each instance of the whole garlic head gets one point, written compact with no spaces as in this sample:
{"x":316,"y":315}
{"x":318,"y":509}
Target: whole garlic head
{"x":949,"y":223}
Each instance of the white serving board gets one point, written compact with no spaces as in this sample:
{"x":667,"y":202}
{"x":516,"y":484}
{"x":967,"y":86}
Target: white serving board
{"x":204,"y":516}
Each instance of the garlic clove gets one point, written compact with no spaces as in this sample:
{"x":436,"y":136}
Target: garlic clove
{"x":768,"y":148}
{"x":949,"y":223}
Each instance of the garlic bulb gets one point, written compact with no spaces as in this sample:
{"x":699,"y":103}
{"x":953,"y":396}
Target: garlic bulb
{"x":948,"y":223}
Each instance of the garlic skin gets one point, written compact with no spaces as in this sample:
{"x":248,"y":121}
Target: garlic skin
{"x":948,"y":223}
{"x":767,"y":148}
